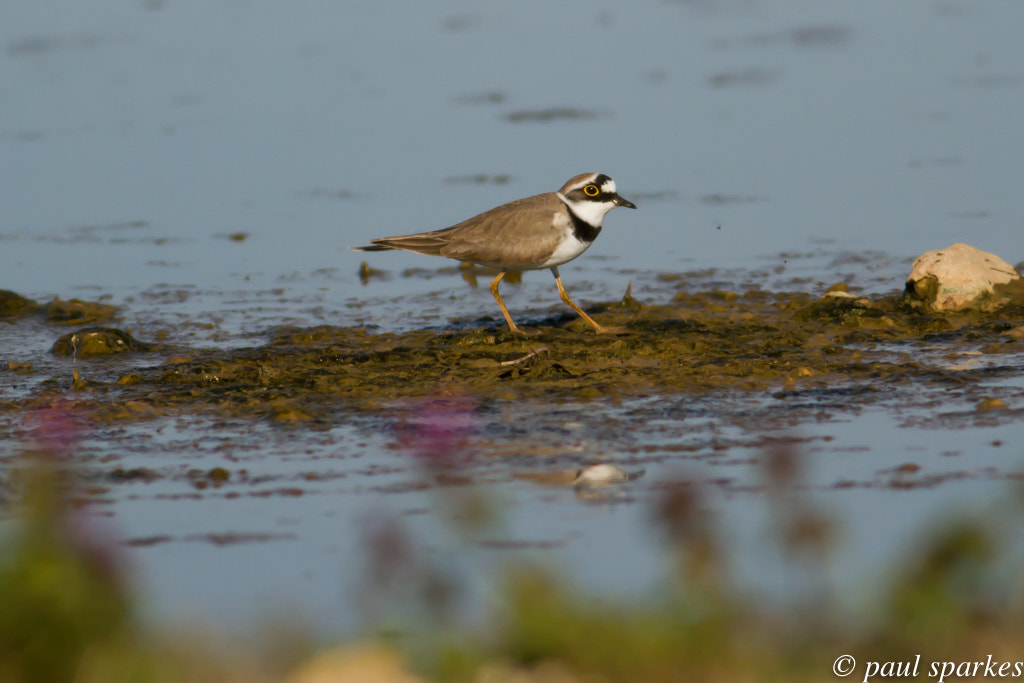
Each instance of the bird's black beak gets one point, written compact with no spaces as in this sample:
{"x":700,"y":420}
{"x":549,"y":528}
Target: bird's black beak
{"x":622,"y":201}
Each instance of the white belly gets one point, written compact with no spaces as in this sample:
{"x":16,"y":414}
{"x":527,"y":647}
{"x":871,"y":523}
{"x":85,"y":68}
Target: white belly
{"x":569,"y":249}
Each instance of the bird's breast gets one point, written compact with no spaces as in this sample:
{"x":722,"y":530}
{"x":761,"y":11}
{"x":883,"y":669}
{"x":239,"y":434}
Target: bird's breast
{"x":568,"y":248}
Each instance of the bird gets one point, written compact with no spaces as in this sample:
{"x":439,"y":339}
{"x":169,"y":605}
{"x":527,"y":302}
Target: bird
{"x":533,"y":233}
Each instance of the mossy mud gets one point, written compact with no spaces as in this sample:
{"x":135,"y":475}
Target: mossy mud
{"x":706,"y":342}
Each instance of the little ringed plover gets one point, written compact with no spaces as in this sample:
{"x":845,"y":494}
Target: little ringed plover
{"x":542,"y":231}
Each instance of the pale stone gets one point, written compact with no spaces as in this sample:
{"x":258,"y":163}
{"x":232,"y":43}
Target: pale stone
{"x":367,"y":663}
{"x":604,"y":474}
{"x":961,"y":277}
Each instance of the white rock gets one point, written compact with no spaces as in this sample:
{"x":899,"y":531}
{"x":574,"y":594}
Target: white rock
{"x":603,"y":475}
{"x":959,"y":277}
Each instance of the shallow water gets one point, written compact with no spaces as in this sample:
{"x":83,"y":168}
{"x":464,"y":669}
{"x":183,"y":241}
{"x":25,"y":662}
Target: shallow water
{"x":139,"y":137}
{"x":204,"y":167}
{"x":303,"y":505}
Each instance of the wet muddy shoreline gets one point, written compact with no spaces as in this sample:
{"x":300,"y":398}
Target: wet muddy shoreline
{"x":695,"y":343}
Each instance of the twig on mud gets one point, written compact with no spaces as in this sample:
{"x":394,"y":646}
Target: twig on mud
{"x":521,"y":359}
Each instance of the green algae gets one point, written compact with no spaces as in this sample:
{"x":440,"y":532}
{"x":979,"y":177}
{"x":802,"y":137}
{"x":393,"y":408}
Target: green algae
{"x":77,"y":312}
{"x":13,"y":304}
{"x":756,"y":341}
{"x":97,"y":341}
{"x":58,"y":311}
{"x":698,"y":342}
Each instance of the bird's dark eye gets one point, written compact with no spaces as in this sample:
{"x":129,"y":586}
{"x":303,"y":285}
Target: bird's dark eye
{"x":591,"y":190}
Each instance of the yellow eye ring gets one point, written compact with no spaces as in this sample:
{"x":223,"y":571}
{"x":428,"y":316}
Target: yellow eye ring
{"x":591,"y":190}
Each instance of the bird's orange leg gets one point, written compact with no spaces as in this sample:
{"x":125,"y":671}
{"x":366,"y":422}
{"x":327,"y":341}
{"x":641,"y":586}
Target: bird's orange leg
{"x":501,"y":304}
{"x":572,"y":304}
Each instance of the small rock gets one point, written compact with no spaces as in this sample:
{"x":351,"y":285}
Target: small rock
{"x":962,"y":277}
{"x":218,"y":475}
{"x":604,"y":475}
{"x":839,"y":294}
{"x":97,"y":341}
{"x":990,"y":404}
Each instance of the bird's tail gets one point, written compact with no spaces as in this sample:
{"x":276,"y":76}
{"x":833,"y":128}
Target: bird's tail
{"x":373,"y":247}
{"x":429,"y":243}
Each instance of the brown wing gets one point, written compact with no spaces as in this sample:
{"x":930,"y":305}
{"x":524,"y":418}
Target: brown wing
{"x":520,"y":234}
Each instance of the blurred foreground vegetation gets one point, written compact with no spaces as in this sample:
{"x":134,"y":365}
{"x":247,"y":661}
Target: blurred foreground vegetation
{"x":67,"y":613}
